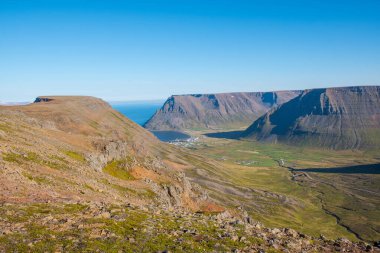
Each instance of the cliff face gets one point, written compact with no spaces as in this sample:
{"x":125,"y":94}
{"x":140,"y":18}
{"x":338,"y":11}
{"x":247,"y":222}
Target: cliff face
{"x":339,"y":118}
{"x":213,"y":111}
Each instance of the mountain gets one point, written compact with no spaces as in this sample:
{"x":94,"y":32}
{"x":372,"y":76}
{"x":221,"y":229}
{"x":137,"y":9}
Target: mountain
{"x":77,"y":176}
{"x":79,"y":148}
{"x":338,"y":118}
{"x":215,"y":111}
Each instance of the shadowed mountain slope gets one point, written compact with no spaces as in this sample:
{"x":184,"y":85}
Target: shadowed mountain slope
{"x":215,"y":111}
{"x":339,"y":118}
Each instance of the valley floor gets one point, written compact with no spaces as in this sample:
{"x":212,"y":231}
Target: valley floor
{"x":334,"y":193}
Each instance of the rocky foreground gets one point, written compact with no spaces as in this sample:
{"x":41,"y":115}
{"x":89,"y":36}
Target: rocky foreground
{"x":97,"y":227}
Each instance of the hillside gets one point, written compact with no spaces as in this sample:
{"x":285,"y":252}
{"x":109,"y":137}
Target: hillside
{"x":77,"y":176}
{"x":339,"y":118}
{"x":79,"y":148}
{"x":215,"y":111}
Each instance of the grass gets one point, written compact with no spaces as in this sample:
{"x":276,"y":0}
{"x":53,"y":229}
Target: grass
{"x":117,"y":117}
{"x":76,"y":156}
{"x":94,"y":124}
{"x":89,"y":187}
{"x":25,"y":157}
{"x":118,"y":169}
{"x":150,"y":233}
{"x":299,"y":204}
{"x":13,"y":157}
{"x":38,"y":179}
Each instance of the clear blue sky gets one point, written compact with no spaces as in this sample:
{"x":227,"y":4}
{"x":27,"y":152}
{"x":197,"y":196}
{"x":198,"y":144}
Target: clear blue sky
{"x":132,"y":50}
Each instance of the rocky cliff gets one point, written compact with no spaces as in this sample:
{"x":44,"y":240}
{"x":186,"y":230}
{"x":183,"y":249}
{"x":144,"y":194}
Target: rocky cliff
{"x":215,"y":111}
{"x":339,"y":118}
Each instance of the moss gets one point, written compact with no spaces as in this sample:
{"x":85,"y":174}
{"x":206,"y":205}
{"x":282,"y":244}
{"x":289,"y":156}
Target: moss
{"x":273,"y":250}
{"x":58,"y":158}
{"x":55,"y":165}
{"x":151,"y":232}
{"x":76,"y":156}
{"x":38,"y":179}
{"x":255,"y":240}
{"x":118,"y":169}
{"x":34,"y":158}
{"x":13,"y":158}
{"x":122,"y":189}
{"x":148,"y":193}
{"x":20,"y":158}
{"x":89,"y":187}
{"x":13,"y":243}
{"x":27,"y":175}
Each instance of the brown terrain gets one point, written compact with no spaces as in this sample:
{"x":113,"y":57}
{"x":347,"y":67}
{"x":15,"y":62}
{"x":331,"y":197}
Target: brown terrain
{"x":79,"y":148}
{"x":338,"y":118}
{"x":75,"y":175}
{"x":215,"y":111}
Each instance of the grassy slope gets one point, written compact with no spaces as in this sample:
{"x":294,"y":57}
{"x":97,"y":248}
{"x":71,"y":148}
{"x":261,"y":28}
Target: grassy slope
{"x":345,"y":195}
{"x":84,"y":228}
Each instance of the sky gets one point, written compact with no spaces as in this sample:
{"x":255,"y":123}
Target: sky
{"x":141,"y":50}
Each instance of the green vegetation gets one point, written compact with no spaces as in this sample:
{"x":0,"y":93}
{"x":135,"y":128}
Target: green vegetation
{"x":89,"y":187}
{"x":148,"y":194}
{"x":94,"y":124}
{"x":38,"y":179}
{"x":13,"y":157}
{"x":76,"y":156}
{"x":131,"y":230}
{"x":117,"y":116}
{"x":118,"y":169}
{"x":308,"y":204}
{"x":22,"y":158}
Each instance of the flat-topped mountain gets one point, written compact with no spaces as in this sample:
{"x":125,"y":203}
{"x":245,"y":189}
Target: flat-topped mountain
{"x":63,"y":149}
{"x":215,"y":111}
{"x":339,"y":118}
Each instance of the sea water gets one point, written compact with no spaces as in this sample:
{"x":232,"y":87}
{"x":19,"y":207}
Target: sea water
{"x":140,"y":112}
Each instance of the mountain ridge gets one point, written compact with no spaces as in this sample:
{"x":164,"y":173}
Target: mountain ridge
{"x":213,"y":111}
{"x":338,"y":118}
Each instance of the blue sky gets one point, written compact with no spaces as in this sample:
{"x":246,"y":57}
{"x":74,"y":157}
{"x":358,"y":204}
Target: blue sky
{"x":139,"y":50}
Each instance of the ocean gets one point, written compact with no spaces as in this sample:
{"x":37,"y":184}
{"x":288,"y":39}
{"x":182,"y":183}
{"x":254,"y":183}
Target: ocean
{"x":139,"y":112}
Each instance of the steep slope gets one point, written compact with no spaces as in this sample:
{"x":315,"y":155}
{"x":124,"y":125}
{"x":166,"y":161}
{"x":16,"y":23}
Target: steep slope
{"x":339,"y":118}
{"x":212,"y":111}
{"x":79,"y":148}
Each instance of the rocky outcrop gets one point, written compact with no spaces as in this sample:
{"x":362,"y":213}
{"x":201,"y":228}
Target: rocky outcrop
{"x":339,"y":118}
{"x":212,"y":111}
{"x":175,"y":195}
{"x":107,"y":151}
{"x":42,"y":99}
